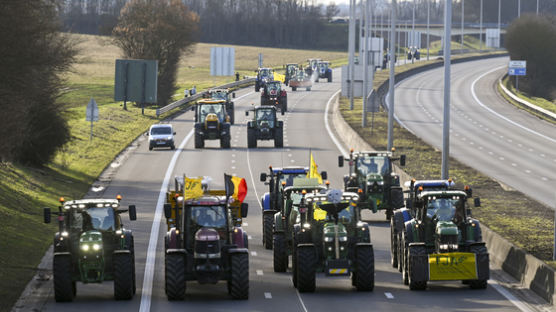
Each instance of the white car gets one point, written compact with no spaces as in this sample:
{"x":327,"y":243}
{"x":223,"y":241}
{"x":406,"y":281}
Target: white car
{"x":161,"y":135}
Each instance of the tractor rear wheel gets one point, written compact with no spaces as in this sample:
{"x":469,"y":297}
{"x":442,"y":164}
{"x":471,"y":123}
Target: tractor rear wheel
{"x":64,"y":287}
{"x":294,"y":265}
{"x":199,"y":141}
{"x":239,"y":280}
{"x":174,"y":275}
{"x":280,"y":253}
{"x":329,"y":76}
{"x":251,"y":138}
{"x":279,"y":137}
{"x":396,"y":198}
{"x":225,"y":142}
{"x":478,"y":284}
{"x":123,"y":275}
{"x":403,"y":257}
{"x":294,"y":88}
{"x":306,"y":269}
{"x":415,"y":251}
{"x":364,"y":280}
{"x":284,"y":107}
{"x":268,"y":223}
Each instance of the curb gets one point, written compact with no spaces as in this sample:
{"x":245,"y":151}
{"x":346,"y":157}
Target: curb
{"x":537,"y":110}
{"x":531,"y":272}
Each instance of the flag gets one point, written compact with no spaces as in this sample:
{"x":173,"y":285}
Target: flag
{"x":192,"y":187}
{"x":235,"y":187}
{"x":313,"y":170}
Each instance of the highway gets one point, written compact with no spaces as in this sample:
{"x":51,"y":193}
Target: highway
{"x":143,"y":177}
{"x":504,"y":142}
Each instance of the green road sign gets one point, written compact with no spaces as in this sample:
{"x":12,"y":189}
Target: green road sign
{"x":136,"y":81}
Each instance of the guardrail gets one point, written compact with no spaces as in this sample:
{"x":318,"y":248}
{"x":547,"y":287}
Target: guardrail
{"x":524,"y":103}
{"x":171,"y":106}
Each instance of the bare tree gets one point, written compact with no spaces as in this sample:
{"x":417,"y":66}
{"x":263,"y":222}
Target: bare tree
{"x":332,"y":10}
{"x":157,"y":30}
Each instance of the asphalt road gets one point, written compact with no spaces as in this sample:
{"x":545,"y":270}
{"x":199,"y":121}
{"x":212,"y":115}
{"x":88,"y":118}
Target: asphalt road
{"x":506,"y":143}
{"x":141,"y":180}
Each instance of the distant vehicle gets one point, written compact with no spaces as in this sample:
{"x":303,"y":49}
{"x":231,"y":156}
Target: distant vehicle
{"x":301,"y":80}
{"x":161,"y":135}
{"x":291,"y":68}
{"x":265,"y":126}
{"x":211,"y":122}
{"x":273,"y":94}
{"x":264,"y":75}
{"x":312,"y":66}
{"x":324,"y":71}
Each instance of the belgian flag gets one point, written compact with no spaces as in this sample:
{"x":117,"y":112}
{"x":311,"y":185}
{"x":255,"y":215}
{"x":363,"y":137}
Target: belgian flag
{"x":235,"y":187}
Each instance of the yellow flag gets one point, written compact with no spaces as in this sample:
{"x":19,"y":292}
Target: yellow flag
{"x":192,"y":188}
{"x":279,"y":77}
{"x":313,"y":170}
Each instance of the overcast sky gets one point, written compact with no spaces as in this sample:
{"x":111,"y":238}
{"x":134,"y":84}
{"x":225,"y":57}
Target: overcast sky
{"x":326,"y":2}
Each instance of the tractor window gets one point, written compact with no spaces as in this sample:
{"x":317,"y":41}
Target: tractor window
{"x":101,"y":219}
{"x":219,"y":96}
{"x":266,"y":116}
{"x":443,"y":208}
{"x":289,"y":177}
{"x":211,"y":109}
{"x":373,"y":164}
{"x":264,"y":72}
{"x":208,"y":216}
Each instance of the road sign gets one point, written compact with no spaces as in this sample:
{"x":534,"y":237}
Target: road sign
{"x":92,"y":110}
{"x":222,"y":61}
{"x":517,"y":68}
{"x":136,"y":81}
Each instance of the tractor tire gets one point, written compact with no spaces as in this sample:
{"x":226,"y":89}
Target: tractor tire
{"x":268,"y":224}
{"x":280,"y":254}
{"x":396,"y":198}
{"x":284,"y":107}
{"x":329,"y":76}
{"x":150,"y":147}
{"x":416,"y":251}
{"x":364,"y":280}
{"x":294,"y":265}
{"x":123,"y":276}
{"x":232,"y":116}
{"x":172,"y":147}
{"x":174,"y":276}
{"x":403,"y":258}
{"x":306,"y":281}
{"x":251,"y":138}
{"x":64,"y":287}
{"x":225,"y":142}
{"x":239,"y":277}
{"x":294,"y":88}
{"x":393,"y":242}
{"x":199,"y":141}
{"x":478,"y":284}
{"x":257,"y":88}
{"x":279,"y":137}
{"x":262,"y":101}
{"x":308,"y":89}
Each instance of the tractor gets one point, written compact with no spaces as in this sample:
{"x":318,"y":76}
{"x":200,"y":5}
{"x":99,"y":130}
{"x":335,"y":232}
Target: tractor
{"x":272,"y":201}
{"x":291,"y":68}
{"x":404,"y":214}
{"x":330,"y":237}
{"x":324,"y":71}
{"x":264,"y":75}
{"x":312,"y":66}
{"x":285,"y":219}
{"x":212,"y":122}
{"x":264,"y":126}
{"x":442,"y":242}
{"x":226,"y":95}
{"x":371,"y":172}
{"x":273,"y":94}
{"x":204,"y":245}
{"x":300,"y":80}
{"x":92,"y":246}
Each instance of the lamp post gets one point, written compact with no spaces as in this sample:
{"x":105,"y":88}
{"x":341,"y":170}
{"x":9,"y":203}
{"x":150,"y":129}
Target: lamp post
{"x":428,"y":26}
{"x":481,"y":26}
{"x":351,"y":47}
{"x":462,"y":20}
{"x":392,"y":81}
{"x":446,"y":122}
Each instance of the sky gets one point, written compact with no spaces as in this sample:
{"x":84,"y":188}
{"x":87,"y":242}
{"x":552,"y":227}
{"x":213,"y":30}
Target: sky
{"x":326,"y":2}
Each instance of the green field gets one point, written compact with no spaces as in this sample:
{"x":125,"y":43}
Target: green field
{"x":24,"y":190}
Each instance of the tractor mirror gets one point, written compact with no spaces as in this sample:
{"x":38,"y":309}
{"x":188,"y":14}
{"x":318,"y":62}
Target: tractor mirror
{"x":168,"y":211}
{"x":468,"y":212}
{"x":233,"y":95}
{"x":147,"y":133}
{"x":324,"y":175}
{"x":46,"y":215}
{"x":402,"y":160}
{"x":282,"y":112}
{"x":477,"y":202}
{"x":244,"y":210}
{"x":263,"y":176}
{"x":246,"y":113}
{"x":132,"y":213}
{"x":340,"y":161}
{"x":469,"y":192}
{"x":174,"y":132}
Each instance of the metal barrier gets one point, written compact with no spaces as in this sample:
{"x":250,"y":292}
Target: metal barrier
{"x":169,"y":107}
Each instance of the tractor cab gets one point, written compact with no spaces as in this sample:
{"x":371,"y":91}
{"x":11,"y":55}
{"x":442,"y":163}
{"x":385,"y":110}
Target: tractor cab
{"x":212,"y":122}
{"x":265,"y":117}
{"x":224,"y":95}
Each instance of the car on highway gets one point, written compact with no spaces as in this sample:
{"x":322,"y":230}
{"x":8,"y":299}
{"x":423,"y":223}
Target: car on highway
{"x":161,"y":135}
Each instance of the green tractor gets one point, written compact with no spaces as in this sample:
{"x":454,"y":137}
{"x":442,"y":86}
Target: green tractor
{"x":291,"y":69}
{"x":442,"y":242}
{"x":290,"y":196}
{"x":330,"y":237}
{"x":372,"y":176}
{"x":92,"y":246}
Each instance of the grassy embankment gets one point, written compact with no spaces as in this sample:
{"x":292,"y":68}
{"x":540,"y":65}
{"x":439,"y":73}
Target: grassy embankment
{"x":24,"y":190}
{"x":521,"y":220}
{"x":540,"y":102}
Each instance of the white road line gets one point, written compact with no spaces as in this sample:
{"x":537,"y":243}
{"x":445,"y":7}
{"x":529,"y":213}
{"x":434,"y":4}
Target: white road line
{"x":298,"y":295}
{"x":253,"y":253}
{"x":267,"y":295}
{"x":249,"y":237}
{"x":497,"y":114}
{"x":331,"y":134}
{"x":245,"y":223}
{"x":146,"y":292}
{"x":389,"y":295}
{"x":260,"y":272}
{"x":516,"y":302}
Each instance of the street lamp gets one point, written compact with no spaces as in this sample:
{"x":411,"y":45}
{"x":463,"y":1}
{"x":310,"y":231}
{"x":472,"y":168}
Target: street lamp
{"x":446,"y":122}
{"x":462,"y":19}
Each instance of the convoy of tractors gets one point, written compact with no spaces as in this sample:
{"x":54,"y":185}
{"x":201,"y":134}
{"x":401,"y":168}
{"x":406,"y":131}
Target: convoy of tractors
{"x":310,"y":227}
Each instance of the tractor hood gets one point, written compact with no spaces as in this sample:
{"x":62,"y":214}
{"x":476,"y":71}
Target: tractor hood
{"x":374,"y":177}
{"x":207,"y":234}
{"x":329,"y":232}
{"x":446,"y":228}
{"x":90,"y":242}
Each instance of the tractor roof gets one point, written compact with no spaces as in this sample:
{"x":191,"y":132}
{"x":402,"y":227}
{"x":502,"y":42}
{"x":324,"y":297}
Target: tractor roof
{"x":219,"y":90}
{"x":291,"y":169}
{"x":91,"y":203}
{"x":305,"y":183}
{"x":429,"y":184}
{"x":206,"y":200}
{"x":442,"y":194}
{"x":264,"y":107}
{"x":372,"y":153}
{"x":211,"y":101}
{"x":323,"y":198}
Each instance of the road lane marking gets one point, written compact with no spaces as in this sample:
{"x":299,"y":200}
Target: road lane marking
{"x":249,"y":237}
{"x":267,"y":295}
{"x":253,"y":253}
{"x":332,"y":136}
{"x":245,"y":223}
{"x":497,"y":114}
{"x":146,"y":292}
{"x":504,"y":292}
{"x":260,"y":272}
{"x":389,"y":295}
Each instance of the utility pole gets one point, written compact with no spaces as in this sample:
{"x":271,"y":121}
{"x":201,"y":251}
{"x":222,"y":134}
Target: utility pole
{"x":428,"y":26}
{"x":447,"y":55}
{"x":499,"y":21}
{"x":392,"y":82}
{"x":462,"y":20}
{"x":518,"y":8}
{"x":365,"y":65}
{"x":413,"y":43}
{"x":537,"y":7}
{"x":481,"y":25}
{"x":351,"y":47}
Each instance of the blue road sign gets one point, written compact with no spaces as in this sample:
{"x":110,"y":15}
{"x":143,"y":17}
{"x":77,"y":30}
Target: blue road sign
{"x":517,"y":72}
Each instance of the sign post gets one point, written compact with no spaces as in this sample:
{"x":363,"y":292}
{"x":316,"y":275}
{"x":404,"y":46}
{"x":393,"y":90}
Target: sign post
{"x":92,"y":114}
{"x":517,"y":68}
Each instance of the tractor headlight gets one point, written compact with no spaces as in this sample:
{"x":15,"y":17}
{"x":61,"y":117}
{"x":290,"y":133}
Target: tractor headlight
{"x":306,"y":225}
{"x":85,"y":247}
{"x":343,"y":239}
{"x":96,"y":247}
{"x":328,"y":239}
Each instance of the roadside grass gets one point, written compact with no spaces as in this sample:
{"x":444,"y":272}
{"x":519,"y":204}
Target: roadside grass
{"x":518,"y":218}
{"x":469,"y":42}
{"x":540,"y":102}
{"x":24,"y":191}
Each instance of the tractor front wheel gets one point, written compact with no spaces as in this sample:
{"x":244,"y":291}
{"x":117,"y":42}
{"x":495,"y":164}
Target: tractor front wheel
{"x":478,"y":284}
{"x":239,"y":280}
{"x":414,"y":252}
{"x":251,"y":138}
{"x":123,"y":275}
{"x":364,"y":280}
{"x":64,"y":287}
{"x":279,"y":137}
{"x":403,"y":258}
{"x":174,"y":275}
{"x":199,"y":141}
{"x":225,"y":142}
{"x":306,"y":269}
{"x":280,"y":253}
{"x":268,"y":223}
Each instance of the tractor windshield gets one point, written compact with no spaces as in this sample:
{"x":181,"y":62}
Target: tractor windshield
{"x":273,"y":86}
{"x":373,"y":165}
{"x":289,"y":177}
{"x":211,"y":109}
{"x":219,"y":96}
{"x":265,"y":72}
{"x":443,"y":208}
{"x":208,"y":216}
{"x":345,"y":215}
{"x":97,"y":218}
{"x":265,"y":116}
